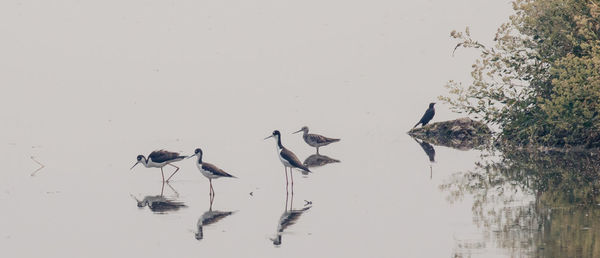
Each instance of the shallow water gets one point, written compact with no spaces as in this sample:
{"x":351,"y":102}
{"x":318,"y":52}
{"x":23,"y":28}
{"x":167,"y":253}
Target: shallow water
{"x":91,"y":86}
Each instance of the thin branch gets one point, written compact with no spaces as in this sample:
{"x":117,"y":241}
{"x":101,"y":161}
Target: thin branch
{"x":40,"y":168}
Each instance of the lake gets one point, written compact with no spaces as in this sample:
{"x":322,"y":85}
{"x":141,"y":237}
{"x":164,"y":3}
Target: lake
{"x":89,"y":86}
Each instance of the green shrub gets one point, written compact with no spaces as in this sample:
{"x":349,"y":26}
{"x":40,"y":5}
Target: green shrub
{"x":541,"y":81}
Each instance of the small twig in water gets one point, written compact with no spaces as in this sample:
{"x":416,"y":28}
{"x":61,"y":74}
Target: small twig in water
{"x":40,"y":168}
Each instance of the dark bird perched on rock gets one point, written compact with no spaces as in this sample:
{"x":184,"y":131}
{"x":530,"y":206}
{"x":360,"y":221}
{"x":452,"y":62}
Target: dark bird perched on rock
{"x":429,"y":113}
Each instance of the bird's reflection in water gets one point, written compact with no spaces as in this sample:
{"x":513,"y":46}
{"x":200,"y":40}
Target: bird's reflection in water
{"x":159,"y":203}
{"x":289,"y":217}
{"x":210,"y":217}
{"x":318,"y":160}
{"x":430,"y":151}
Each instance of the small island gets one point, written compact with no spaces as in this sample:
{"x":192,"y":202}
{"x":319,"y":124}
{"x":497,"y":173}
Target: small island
{"x":463,"y":133}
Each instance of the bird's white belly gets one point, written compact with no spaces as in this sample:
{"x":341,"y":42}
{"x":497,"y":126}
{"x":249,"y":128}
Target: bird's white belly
{"x":205,"y":173}
{"x":155,"y":165}
{"x":285,"y":162}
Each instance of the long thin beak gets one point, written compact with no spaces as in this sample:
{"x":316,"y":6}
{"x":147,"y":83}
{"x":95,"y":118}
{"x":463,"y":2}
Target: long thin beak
{"x":191,"y":156}
{"x":134,"y":165}
{"x":297,"y":131}
{"x":268,"y":137}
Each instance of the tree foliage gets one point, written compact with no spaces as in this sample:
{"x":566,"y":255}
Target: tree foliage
{"x":540,"y":82}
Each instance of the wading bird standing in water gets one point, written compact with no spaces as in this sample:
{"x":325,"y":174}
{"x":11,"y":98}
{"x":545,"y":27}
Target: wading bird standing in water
{"x":316,"y":140}
{"x":159,"y":159}
{"x":210,"y":171}
{"x":429,"y":113}
{"x":287,"y":158}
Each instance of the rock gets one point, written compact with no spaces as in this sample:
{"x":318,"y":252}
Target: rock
{"x":462,"y":133}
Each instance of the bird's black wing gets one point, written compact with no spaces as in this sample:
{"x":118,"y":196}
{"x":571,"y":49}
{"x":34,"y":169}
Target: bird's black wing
{"x":215,"y":170}
{"x":292,"y":159}
{"x":163,"y":155}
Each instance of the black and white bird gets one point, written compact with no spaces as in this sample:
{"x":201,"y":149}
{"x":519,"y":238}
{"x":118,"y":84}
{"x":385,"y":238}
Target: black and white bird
{"x":159,"y":159}
{"x":287,"y":158}
{"x":429,"y":113}
{"x":210,"y":171}
{"x":316,"y":140}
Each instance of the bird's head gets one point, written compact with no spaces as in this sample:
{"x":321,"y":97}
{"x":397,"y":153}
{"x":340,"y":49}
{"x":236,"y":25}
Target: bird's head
{"x":276,"y":134}
{"x":431,"y":104}
{"x":140,"y":159}
{"x":197,"y":153}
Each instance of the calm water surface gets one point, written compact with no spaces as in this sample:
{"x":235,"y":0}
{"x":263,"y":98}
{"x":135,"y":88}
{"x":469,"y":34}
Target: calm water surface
{"x":90,"y":86}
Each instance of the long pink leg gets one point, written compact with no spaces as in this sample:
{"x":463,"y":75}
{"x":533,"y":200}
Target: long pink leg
{"x":163,"y":174}
{"x":212,"y":190}
{"x":286,"y":179}
{"x":162,"y":188}
{"x":177,"y":169}
{"x":292,"y":177}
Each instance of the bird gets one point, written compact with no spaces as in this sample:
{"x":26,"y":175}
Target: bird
{"x":210,"y":171}
{"x":315,"y":140}
{"x":287,"y":158}
{"x":159,"y":159}
{"x":429,"y":113}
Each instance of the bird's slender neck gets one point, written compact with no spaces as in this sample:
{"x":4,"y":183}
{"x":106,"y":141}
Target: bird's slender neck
{"x":278,"y":139}
{"x":199,"y":158}
{"x":144,"y":162}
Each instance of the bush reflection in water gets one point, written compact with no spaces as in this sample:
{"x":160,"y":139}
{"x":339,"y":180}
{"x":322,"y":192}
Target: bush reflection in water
{"x":541,"y":204}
